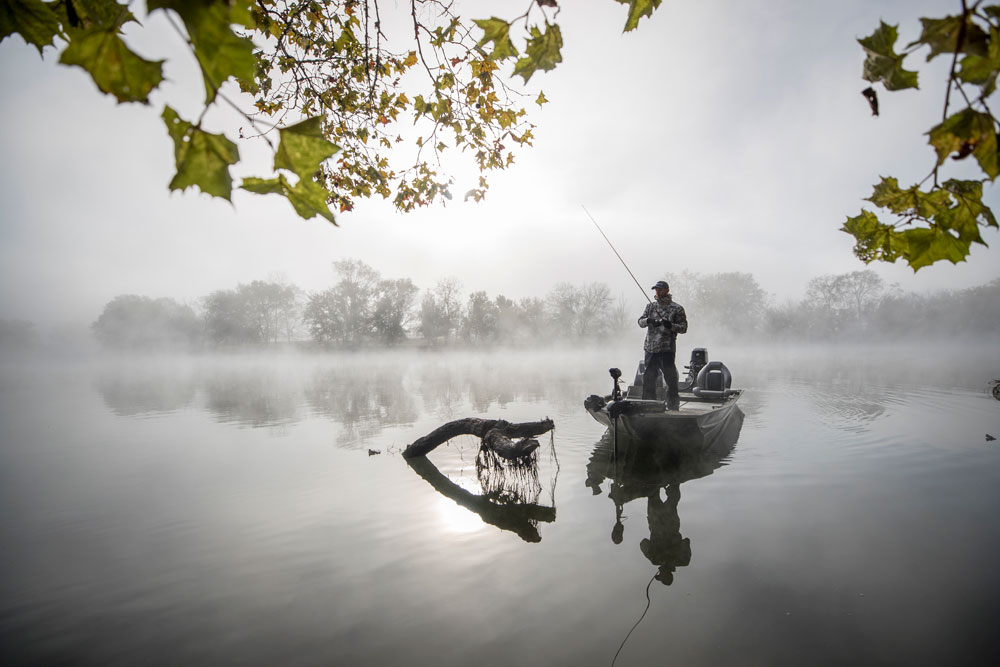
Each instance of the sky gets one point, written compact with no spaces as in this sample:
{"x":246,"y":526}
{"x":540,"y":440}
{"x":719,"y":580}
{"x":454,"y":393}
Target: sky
{"x":720,"y":136}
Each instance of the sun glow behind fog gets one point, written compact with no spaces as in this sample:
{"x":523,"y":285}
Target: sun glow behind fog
{"x":457,"y":519}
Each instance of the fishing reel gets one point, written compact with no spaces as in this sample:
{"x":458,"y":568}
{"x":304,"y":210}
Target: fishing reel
{"x":616,"y":391}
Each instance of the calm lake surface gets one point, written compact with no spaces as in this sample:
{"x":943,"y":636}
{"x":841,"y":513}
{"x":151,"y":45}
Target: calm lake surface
{"x":232,"y":510}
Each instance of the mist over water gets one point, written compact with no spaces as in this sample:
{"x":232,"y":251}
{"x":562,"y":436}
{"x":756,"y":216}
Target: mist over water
{"x":255,"y":509}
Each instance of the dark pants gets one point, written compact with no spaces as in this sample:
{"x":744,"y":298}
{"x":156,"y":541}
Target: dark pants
{"x":657,"y":362}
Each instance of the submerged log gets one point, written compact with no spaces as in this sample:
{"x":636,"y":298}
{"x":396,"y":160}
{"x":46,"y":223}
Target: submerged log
{"x":507,"y":448}
{"x":480,"y":428}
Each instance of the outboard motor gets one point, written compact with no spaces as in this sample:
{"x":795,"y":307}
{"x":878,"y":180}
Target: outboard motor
{"x":699,"y":358}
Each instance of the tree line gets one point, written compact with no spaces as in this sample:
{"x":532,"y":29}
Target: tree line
{"x":363,"y":309}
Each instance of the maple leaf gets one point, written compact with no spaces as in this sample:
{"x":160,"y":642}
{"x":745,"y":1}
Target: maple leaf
{"x":202,"y":159}
{"x":636,"y":10}
{"x":496,"y":31}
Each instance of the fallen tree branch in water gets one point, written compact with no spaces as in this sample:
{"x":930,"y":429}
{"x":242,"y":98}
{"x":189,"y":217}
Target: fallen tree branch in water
{"x":482,"y":428}
{"x":520,"y":518}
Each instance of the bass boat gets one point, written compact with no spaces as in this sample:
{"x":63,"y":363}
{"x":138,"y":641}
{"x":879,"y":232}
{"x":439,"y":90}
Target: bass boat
{"x":708,"y":404}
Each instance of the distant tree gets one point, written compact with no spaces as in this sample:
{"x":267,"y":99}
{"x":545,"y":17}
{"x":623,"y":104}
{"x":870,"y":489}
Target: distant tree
{"x":979,"y":309}
{"x":344,"y":314}
{"x":433,"y":326}
{"x":357,"y":287}
{"x":227,"y":321}
{"x":393,"y":309}
{"x":482,"y":318}
{"x":531,"y":314}
{"x":561,"y":305}
{"x":620,"y":317}
{"x":784,"y":321}
{"x":593,"y":310}
{"x":323,"y":316}
{"x":290,"y":310}
{"x":728,"y":302}
{"x":267,"y":307}
{"x":130,"y":321}
{"x":865,"y":291}
{"x":18,"y":334}
{"x":841,"y":304}
{"x":448,"y":297}
{"x":509,"y":323}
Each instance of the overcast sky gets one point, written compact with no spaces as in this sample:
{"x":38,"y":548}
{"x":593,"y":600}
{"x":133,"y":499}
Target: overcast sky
{"x":720,"y":136}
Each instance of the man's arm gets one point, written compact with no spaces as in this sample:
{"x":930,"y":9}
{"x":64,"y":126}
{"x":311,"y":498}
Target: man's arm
{"x":678,"y":322}
{"x":644,"y":318}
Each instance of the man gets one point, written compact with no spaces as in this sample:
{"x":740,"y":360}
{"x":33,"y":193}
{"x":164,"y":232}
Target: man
{"x":663,"y":320}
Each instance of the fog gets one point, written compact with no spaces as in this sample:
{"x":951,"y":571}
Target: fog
{"x":363,"y":311}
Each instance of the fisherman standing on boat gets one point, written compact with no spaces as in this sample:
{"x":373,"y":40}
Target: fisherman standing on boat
{"x":663,"y":320}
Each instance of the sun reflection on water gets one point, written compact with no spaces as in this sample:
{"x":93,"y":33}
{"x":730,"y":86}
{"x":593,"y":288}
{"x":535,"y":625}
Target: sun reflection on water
{"x":457,"y":519}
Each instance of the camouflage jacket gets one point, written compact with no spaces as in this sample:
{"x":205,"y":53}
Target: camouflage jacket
{"x":662,"y":338}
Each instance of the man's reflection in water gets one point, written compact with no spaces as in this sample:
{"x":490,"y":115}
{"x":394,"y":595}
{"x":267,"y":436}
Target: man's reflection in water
{"x":643,"y":470}
{"x":665,"y":546}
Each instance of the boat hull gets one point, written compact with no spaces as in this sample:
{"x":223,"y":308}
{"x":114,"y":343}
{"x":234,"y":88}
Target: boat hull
{"x":695,"y":426}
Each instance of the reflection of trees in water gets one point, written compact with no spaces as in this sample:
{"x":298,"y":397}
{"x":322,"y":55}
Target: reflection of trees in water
{"x":130,"y":394}
{"x":363,"y":399}
{"x":654,"y":471}
{"x":252,"y":397}
{"x":499,"y":380}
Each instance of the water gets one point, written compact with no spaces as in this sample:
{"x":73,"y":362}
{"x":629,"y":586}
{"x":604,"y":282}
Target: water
{"x":234,"y":511}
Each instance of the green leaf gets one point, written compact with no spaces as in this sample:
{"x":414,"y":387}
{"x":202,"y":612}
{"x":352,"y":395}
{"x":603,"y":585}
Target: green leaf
{"x":220,"y":52}
{"x":942,"y":36}
{"x":303,"y":147}
{"x":33,"y":20}
{"x":114,"y":67}
{"x":912,"y":201}
{"x":966,"y":131}
{"x":926,"y":246}
{"x":882,"y":63}
{"x":99,"y":13}
{"x":542,"y":51}
{"x":242,"y":13}
{"x":874,"y":240}
{"x":541,"y":99}
{"x":969,"y":211}
{"x":496,"y":31}
{"x":307,"y":197}
{"x":202,"y":159}
{"x":983,"y":70}
{"x":636,"y":10}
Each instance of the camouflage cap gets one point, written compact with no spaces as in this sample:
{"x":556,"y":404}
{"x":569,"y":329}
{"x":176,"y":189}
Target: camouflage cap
{"x":661,"y":283}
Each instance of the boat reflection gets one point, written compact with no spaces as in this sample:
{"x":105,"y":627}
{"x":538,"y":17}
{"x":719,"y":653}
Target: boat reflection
{"x":509,"y":498}
{"x":655,"y":471}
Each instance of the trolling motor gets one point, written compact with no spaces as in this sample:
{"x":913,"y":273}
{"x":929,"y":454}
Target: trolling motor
{"x":616,"y":392}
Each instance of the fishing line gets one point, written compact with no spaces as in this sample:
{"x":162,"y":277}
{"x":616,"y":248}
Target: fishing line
{"x":636,"y":623}
{"x":616,"y":252}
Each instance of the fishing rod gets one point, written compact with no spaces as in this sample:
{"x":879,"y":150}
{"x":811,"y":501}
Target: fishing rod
{"x":616,"y":252}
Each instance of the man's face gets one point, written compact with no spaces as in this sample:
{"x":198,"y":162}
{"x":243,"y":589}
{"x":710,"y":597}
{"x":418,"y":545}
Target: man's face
{"x":660,"y":292}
